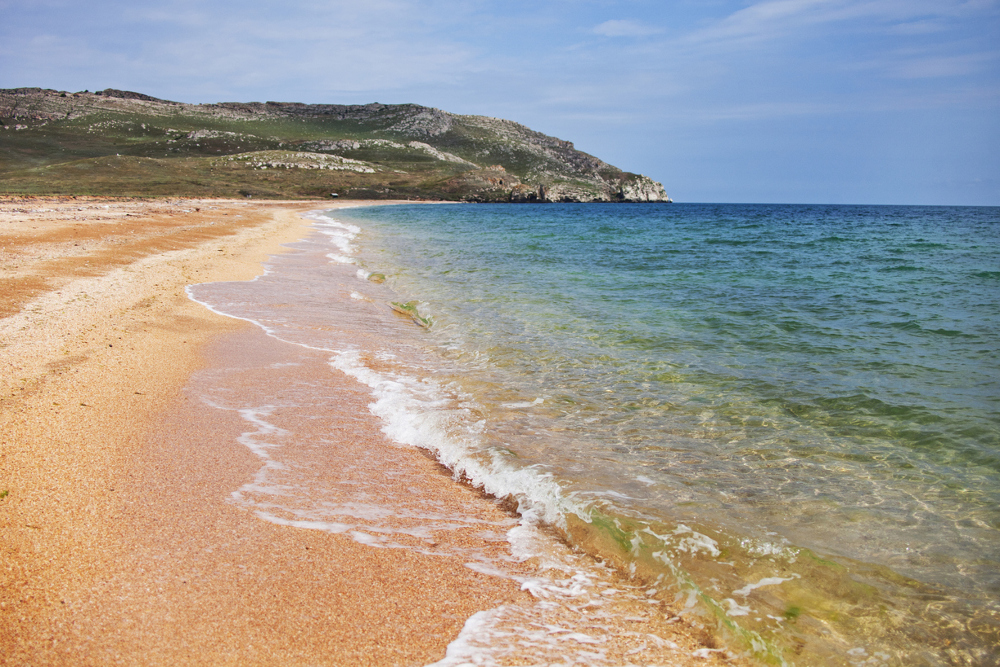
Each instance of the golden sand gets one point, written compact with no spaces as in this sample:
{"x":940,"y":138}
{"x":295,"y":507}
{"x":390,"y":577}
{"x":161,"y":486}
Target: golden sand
{"x":118,"y":545}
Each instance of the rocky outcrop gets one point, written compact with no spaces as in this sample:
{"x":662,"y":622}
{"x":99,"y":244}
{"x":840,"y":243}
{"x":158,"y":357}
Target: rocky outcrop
{"x":439,"y":155}
{"x":129,"y":95}
{"x":490,"y":184}
{"x":296,"y":160}
{"x":642,"y":189}
{"x":425,"y":122}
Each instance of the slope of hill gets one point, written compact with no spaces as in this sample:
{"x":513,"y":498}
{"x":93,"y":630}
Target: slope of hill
{"x":117,"y":142}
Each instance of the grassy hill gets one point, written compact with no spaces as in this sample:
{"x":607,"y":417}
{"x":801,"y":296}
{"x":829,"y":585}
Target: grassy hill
{"x":121,"y":143}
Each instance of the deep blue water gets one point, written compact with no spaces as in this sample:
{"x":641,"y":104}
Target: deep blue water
{"x":788,"y":414}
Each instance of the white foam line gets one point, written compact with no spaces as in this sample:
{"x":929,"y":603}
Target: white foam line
{"x":267,"y":330}
{"x":766,"y":581}
{"x":406,"y":405}
{"x":327,"y":526}
{"x":464,"y":649}
{"x":309,"y":215}
{"x":736,"y":609}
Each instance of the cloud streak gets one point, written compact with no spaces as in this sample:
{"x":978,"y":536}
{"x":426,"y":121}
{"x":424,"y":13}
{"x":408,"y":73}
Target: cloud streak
{"x":804,"y":19}
{"x":625,"y":28}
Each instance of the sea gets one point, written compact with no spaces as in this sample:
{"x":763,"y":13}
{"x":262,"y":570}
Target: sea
{"x":782,"y":420}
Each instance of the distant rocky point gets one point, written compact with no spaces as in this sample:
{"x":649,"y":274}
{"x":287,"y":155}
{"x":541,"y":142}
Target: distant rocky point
{"x":117,"y":142}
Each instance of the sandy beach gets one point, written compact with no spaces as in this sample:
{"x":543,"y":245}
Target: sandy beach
{"x":119,"y":545}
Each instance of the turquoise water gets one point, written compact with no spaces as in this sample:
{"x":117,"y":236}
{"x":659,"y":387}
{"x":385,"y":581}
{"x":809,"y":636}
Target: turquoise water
{"x":787,"y":417}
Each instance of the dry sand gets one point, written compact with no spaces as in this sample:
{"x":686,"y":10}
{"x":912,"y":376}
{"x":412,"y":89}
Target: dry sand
{"x":118,"y":545}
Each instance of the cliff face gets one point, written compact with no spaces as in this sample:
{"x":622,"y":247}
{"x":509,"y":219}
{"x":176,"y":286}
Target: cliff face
{"x":643,"y":188}
{"x":372,"y":150}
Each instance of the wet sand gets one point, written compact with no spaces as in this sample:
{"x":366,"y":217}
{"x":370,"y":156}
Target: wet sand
{"x":119,"y":545}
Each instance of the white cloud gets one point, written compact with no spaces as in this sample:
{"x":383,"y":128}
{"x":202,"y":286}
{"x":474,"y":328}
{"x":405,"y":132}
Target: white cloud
{"x":194,"y":51}
{"x":766,"y":20}
{"x":766,"y":110}
{"x":918,"y":27}
{"x":941,"y":66}
{"x":625,"y":28}
{"x":802,"y":19}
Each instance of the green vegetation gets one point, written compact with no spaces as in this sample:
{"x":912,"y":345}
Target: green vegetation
{"x":121,"y":143}
{"x":410,"y":309}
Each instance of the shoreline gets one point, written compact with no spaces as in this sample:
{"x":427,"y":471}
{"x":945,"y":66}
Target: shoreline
{"x":118,"y":540}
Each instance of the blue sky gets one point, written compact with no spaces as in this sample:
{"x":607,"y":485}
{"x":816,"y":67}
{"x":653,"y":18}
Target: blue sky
{"x":812,"y":101}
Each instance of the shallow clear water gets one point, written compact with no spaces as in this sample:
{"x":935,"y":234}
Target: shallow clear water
{"x":787,"y":418}
{"x":337,"y":366}
{"x":805,"y":396}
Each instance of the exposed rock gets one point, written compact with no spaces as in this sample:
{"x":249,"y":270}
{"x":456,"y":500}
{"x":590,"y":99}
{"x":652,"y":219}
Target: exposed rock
{"x":427,"y":122}
{"x":440,"y":155}
{"x":485,"y":185}
{"x":213,"y":134}
{"x":643,"y":189}
{"x":296,"y":160}
{"x":129,"y":95}
{"x":525,"y":194}
{"x":333,"y":146}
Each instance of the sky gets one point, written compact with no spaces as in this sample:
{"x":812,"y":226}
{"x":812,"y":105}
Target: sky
{"x":782,"y":101}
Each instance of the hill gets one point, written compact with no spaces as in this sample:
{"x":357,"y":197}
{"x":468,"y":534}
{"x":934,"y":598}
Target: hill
{"x":116,"y":142}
